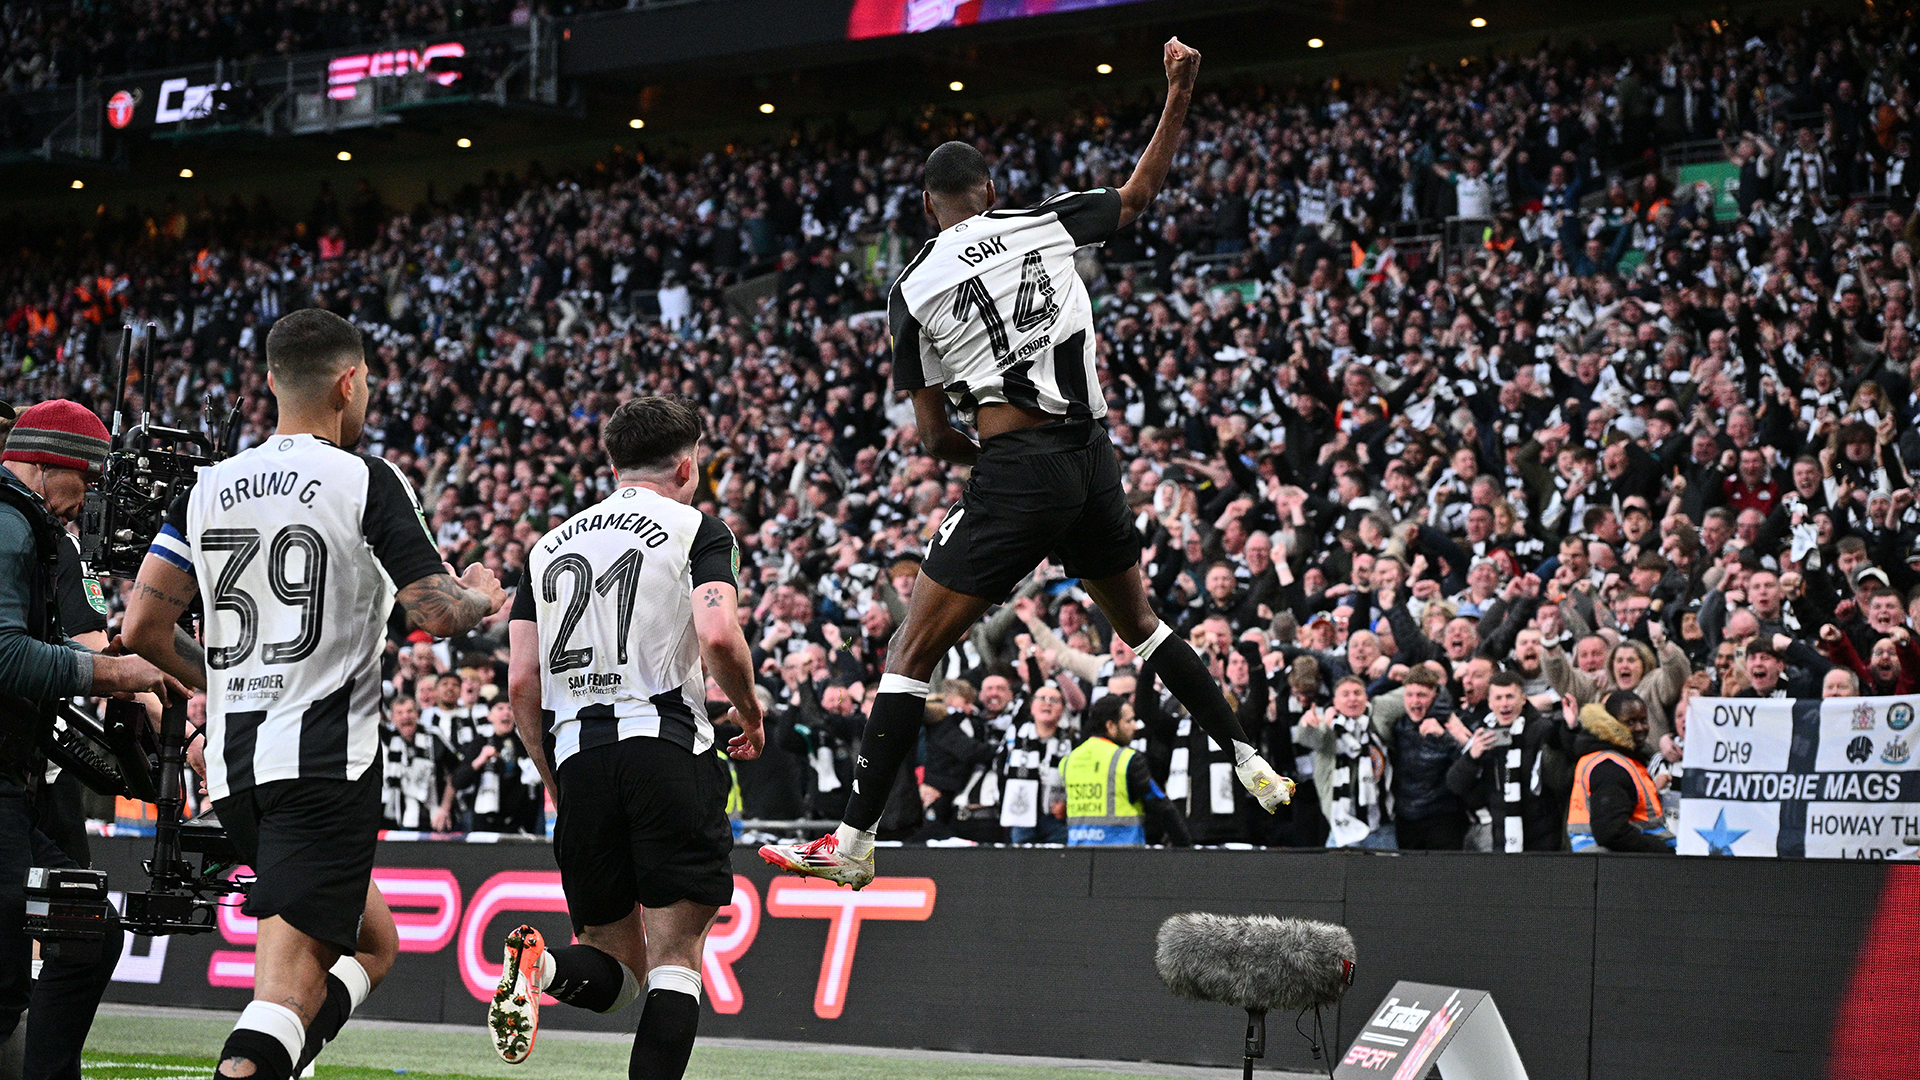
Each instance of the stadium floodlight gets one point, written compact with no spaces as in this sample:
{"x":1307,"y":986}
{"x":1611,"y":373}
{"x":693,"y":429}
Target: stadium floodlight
{"x":1105,"y":69}
{"x":636,"y":123}
{"x":1478,"y":23}
{"x":463,"y":143}
{"x":956,"y":86}
{"x":186,"y":174}
{"x":1314,"y":43}
{"x":766,"y":107}
{"x":78,"y":184}
{"x":344,"y":155}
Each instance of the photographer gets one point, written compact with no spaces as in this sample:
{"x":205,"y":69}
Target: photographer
{"x":54,"y":450}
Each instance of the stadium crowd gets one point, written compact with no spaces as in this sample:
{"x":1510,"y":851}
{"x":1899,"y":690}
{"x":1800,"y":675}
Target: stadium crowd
{"x":53,"y":43}
{"x":1430,"y":506}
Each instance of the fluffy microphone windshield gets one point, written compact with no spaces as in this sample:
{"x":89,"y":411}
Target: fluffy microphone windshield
{"x":1255,"y":961}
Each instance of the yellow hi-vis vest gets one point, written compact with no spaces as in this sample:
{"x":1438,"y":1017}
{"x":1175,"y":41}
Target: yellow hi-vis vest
{"x":1099,"y":809}
{"x":734,"y":803}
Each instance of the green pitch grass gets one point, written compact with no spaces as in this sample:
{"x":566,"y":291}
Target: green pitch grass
{"x":181,"y":1048}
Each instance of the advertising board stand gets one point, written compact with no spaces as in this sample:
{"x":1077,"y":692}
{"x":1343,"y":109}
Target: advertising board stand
{"x":1419,"y":1026}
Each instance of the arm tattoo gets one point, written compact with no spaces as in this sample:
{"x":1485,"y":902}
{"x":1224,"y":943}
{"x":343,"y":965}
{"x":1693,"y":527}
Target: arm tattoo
{"x":442,"y":606}
{"x":141,"y":588}
{"x":190,"y":653}
{"x":713,"y":598}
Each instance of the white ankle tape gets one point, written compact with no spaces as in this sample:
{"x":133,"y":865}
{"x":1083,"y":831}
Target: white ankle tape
{"x":543,"y":971}
{"x":278,"y":1021}
{"x":899,"y":684}
{"x":1242,"y":753}
{"x":855,"y":842}
{"x":1154,"y":641}
{"x":629,"y":990}
{"x":673,"y":977}
{"x":359,"y":983}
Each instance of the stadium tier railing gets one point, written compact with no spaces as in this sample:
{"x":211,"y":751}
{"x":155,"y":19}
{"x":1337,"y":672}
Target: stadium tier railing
{"x":362,"y":86}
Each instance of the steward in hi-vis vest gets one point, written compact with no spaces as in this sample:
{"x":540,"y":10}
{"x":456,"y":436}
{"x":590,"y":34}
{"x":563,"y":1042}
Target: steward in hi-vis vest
{"x":1109,"y":791}
{"x":1615,"y":804}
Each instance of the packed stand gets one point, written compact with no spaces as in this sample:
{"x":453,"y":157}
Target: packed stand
{"x":1463,"y":531}
{"x":49,"y":43}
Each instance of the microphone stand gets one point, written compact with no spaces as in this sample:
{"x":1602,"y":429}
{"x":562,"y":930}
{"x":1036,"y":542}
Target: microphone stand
{"x":1256,"y":1040}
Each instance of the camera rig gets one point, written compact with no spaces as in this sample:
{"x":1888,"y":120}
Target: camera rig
{"x":148,"y":467}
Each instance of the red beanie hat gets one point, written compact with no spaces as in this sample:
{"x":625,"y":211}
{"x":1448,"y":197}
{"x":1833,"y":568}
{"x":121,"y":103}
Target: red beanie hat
{"x":59,"y":434}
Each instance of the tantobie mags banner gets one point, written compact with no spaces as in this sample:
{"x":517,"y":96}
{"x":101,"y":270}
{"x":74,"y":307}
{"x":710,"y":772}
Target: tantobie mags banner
{"x":1833,"y":779}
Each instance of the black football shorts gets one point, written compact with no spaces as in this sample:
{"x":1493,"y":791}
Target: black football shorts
{"x":311,"y":843}
{"x":1053,"y":490}
{"x":642,"y":821}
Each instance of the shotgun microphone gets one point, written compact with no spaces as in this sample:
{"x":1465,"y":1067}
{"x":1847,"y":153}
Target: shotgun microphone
{"x":1255,"y":961}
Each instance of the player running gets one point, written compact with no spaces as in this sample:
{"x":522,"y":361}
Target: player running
{"x":302,"y":548}
{"x":623,"y":606}
{"x":992,"y":316}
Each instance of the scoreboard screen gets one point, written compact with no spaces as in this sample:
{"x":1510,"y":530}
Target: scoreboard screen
{"x":883,"y":18}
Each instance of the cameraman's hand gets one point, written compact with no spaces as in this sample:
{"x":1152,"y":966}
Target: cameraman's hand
{"x":441,"y":821}
{"x":124,"y":676}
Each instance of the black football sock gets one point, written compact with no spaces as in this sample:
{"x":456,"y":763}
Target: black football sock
{"x":587,"y":978}
{"x":327,"y":1021}
{"x":269,"y":1058}
{"x":347,"y":986}
{"x":1188,"y":680}
{"x":668,"y":1025}
{"x":893,"y":730}
{"x":268,"y":1035}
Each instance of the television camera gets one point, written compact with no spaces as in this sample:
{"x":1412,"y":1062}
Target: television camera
{"x":148,"y":466}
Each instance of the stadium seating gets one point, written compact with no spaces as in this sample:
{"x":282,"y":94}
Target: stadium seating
{"x":1668,"y":282}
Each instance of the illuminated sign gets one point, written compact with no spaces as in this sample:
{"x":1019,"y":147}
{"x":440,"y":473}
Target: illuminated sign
{"x":344,"y":71}
{"x":883,"y":18}
{"x":120,"y":109}
{"x":433,"y":915}
{"x":182,"y":100}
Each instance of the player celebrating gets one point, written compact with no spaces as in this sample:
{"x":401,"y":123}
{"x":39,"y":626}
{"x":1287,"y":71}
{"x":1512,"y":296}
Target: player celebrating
{"x":303,"y":544}
{"x":991,"y":315}
{"x":623,"y":604}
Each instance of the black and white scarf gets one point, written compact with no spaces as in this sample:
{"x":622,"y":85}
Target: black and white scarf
{"x":1509,"y":769}
{"x":1360,"y":791}
{"x":983,"y":787}
{"x":414,"y":776}
{"x":1030,"y":774}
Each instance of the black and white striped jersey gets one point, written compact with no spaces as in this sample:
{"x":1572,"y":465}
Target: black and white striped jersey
{"x":612,"y":593}
{"x":413,"y":777}
{"x":457,"y":725}
{"x":298,"y":547}
{"x":992,"y":310}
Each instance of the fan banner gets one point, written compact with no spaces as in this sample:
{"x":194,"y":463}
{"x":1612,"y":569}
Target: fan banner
{"x":1832,"y":779}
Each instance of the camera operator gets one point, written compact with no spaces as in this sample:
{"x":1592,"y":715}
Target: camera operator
{"x":51,"y":454}
{"x":59,"y":810}
{"x":304,"y":547}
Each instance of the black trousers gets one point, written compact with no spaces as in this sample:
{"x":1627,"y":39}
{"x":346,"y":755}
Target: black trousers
{"x":68,"y":992}
{"x":1448,"y":832}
